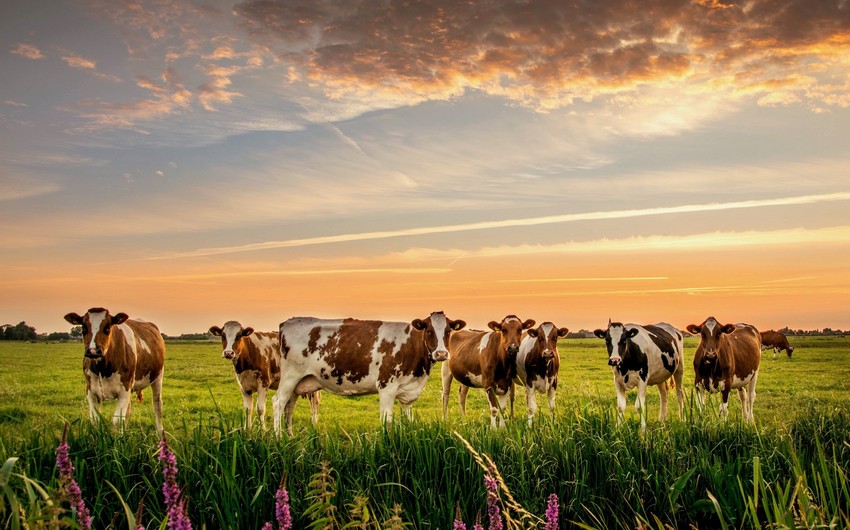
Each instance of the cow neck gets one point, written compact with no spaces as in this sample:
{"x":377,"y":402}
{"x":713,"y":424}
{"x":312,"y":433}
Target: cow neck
{"x":115,"y":356}
{"x":633,"y":360}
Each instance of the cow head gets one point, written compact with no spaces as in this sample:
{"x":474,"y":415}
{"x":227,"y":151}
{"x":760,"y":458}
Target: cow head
{"x":617,"y":338}
{"x":710,"y":332}
{"x":510,"y":332}
{"x":547,"y":336}
{"x":97,"y":325}
{"x":790,"y":350}
{"x":230,"y":334}
{"x":436,"y":330}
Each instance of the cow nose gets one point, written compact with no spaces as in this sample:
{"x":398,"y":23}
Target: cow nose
{"x":548,"y":354}
{"x":94,"y":352}
{"x":441,"y":355}
{"x":227,"y":354}
{"x":613,"y":361}
{"x":513,"y":348}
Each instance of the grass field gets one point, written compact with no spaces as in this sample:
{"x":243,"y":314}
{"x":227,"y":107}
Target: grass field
{"x":605,"y":476}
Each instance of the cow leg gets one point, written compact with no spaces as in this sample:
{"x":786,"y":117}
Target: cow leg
{"x":678,"y":376}
{"x":700,"y":397}
{"x":774,"y":353}
{"x":551,"y":395}
{"x":462,"y":392}
{"x":446,"y":375}
{"x":262,"y":391}
{"x":621,"y":401}
{"x":248,"y":407}
{"x":121,"y":409}
{"x":315,"y":399}
{"x":503,"y":406}
{"x":531,"y":403}
{"x":724,"y":406}
{"x":742,"y":395}
{"x":407,"y":408}
{"x":512,"y":396}
{"x":662,"y":411}
{"x":387,"y":399}
{"x":752,"y":396}
{"x":156,"y":394}
{"x":94,"y":407}
{"x":640,"y":403}
{"x":281,"y":398}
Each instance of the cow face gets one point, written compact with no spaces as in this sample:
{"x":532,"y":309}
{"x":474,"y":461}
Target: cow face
{"x":97,"y":325}
{"x":547,"y":336}
{"x":789,"y":350}
{"x":230,"y":334}
{"x":617,"y":339}
{"x":710,"y":332}
{"x":510,"y":332}
{"x":436,"y":329}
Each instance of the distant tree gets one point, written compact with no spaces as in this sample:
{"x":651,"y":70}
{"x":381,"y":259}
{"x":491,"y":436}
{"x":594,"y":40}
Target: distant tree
{"x":77,"y":332}
{"x":20,"y":331}
{"x":58,"y":335}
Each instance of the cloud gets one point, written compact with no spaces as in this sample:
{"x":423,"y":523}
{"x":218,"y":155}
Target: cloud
{"x":28,"y":50}
{"x":546,"y":54}
{"x":78,"y":61}
{"x":488,"y":225}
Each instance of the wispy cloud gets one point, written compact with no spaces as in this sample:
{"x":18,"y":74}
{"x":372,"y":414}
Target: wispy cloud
{"x":487,"y":225}
{"x":28,"y":50}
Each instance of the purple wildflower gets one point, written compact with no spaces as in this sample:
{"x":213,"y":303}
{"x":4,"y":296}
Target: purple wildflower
{"x":174,"y":502}
{"x":458,"y":522}
{"x":477,"y":526}
{"x":281,"y":507}
{"x":552,"y":513}
{"x":267,"y":526}
{"x":493,"y":500}
{"x":66,"y":480}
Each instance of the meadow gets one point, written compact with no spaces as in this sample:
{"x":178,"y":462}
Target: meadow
{"x":692,"y":471}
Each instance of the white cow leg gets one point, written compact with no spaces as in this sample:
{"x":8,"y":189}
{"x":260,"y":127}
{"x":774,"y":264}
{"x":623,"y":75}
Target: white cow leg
{"x":724,"y":405}
{"x":407,"y":408}
{"x":752,"y":396}
{"x":462,"y":392}
{"x":662,"y":410}
{"x":156,"y":394}
{"x":120,"y":414}
{"x":503,"y":406}
{"x":742,"y":396}
{"x":314,"y":406}
{"x":621,"y":402}
{"x":261,"y":405}
{"x":94,"y":407}
{"x":446,"y":376}
{"x":531,"y":403}
{"x":248,"y":407}
{"x":552,"y":401}
{"x":387,"y":400}
{"x":284,"y":393}
{"x":640,"y":404}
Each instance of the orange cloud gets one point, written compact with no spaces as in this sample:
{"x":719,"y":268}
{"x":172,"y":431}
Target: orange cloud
{"x":28,"y":50}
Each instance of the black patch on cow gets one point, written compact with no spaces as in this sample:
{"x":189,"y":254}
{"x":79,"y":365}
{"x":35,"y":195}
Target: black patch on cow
{"x":664,"y":342}
{"x":99,"y":367}
{"x":626,"y":378}
{"x":241,"y":364}
{"x":633,"y":360}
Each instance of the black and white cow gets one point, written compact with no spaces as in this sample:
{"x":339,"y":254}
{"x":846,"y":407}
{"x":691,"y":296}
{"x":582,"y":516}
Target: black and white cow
{"x":642,"y":355}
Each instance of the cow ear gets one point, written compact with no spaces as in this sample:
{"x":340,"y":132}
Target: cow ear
{"x":119,"y":318}
{"x":74,"y":319}
{"x":728,"y":328}
{"x":457,"y":325}
{"x":532,"y":332}
{"x":494,"y":326}
{"x":418,"y":324}
{"x":563,"y":332}
{"x":215,"y":331}
{"x":528,"y":324}
{"x":599,"y":333}
{"x":693,"y":329}
{"x":632,"y":333}
{"x":247,"y":331}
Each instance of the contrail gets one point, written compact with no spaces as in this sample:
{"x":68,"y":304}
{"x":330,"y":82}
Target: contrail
{"x":532,"y":221}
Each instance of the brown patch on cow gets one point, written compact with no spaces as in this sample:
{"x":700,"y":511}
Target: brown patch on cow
{"x":411,"y":359}
{"x":738,"y":355}
{"x":464,"y":358}
{"x":349,"y":350}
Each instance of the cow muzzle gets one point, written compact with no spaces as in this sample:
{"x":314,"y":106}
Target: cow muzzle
{"x":440,"y":355}
{"x":513,"y":348}
{"x":548,"y":355}
{"x":94,"y":353}
{"x":228,"y":354}
{"x":614,"y":361}
{"x":709,"y":357}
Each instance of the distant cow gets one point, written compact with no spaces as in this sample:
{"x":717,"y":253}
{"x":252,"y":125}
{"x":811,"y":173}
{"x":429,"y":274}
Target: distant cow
{"x":776,"y":340}
{"x":122,"y":356}
{"x":354,"y":357}
{"x":727,"y":358}
{"x":485,"y":359}
{"x":255,"y":361}
{"x":537,"y":365}
{"x":642,"y":355}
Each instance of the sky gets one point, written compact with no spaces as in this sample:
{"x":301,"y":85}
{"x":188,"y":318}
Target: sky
{"x":193,"y":162}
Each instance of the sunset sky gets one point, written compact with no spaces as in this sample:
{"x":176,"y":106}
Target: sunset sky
{"x":190,"y":163}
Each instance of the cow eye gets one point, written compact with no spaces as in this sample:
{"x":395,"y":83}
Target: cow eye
{"x":85,"y":329}
{"x":107,"y":329}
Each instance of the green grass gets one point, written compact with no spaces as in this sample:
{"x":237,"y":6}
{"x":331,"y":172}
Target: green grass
{"x":606,"y":477}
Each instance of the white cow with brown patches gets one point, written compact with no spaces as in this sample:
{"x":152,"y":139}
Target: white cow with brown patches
{"x":121,"y":357}
{"x":255,"y":357}
{"x":537,"y":365}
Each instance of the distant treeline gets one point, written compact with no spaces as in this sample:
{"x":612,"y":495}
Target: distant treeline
{"x":23,"y":332}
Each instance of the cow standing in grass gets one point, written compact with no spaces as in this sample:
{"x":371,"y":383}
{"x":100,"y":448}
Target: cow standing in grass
{"x":537,"y":365}
{"x":727,"y":358}
{"x":255,"y":360}
{"x":776,"y":340}
{"x":353,"y":357}
{"x":643,"y":355}
{"x":122,"y":357}
{"x":485,"y":359}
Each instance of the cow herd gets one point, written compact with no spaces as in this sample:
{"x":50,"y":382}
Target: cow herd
{"x":353,"y":357}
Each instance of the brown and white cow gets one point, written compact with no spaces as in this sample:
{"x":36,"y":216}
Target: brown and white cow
{"x":485,"y":359}
{"x":727,"y":358}
{"x":537,"y":365}
{"x":255,"y":357}
{"x":355,"y":357}
{"x":776,"y":340}
{"x":122,"y":357}
{"x":644,"y":355}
